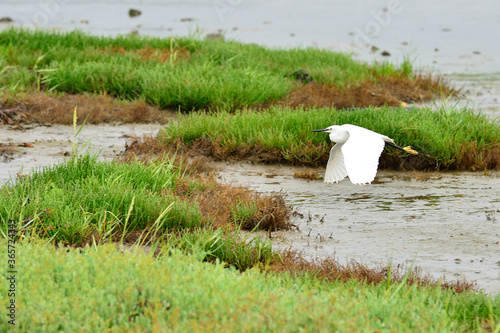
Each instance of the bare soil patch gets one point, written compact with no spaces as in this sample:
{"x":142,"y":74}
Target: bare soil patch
{"x":13,"y":115}
{"x":391,"y":91}
{"x":148,"y":53}
{"x":6,"y":149}
{"x":43,"y":108}
{"x":308,"y":174}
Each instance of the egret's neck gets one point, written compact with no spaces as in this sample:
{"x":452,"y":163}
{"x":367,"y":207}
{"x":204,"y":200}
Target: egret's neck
{"x":339,"y":135}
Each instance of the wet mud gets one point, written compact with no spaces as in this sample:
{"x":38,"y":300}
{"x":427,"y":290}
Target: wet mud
{"x":446,"y":223}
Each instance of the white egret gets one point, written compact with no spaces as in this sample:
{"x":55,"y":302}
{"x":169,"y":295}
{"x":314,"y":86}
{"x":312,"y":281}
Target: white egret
{"x":356,"y":153}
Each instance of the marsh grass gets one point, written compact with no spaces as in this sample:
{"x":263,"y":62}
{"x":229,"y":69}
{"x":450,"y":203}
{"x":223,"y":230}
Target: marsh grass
{"x":188,"y":218}
{"x":219,"y":245}
{"x":159,"y":203}
{"x":186,"y":73}
{"x":448,"y":138}
{"x":99,"y":288}
{"x":248,"y":210}
{"x":328,"y":269}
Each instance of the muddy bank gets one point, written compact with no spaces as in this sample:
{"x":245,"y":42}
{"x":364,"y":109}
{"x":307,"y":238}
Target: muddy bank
{"x":478,"y":91}
{"x":446,"y":223}
{"x":41,"y":108}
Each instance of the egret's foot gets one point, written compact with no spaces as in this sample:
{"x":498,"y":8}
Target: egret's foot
{"x":408,"y":149}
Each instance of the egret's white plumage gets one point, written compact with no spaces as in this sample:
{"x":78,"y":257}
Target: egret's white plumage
{"x":356,"y":153}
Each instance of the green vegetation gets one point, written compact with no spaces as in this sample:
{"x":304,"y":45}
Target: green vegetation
{"x":95,"y":288}
{"x":201,"y":272}
{"x":107,"y":194}
{"x":446,"y":137}
{"x":100,"y":289}
{"x":87,"y":201}
{"x":145,"y":206}
{"x":186,"y":73}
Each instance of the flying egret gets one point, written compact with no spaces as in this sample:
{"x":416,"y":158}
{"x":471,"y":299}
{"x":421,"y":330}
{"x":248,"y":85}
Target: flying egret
{"x":356,"y":153}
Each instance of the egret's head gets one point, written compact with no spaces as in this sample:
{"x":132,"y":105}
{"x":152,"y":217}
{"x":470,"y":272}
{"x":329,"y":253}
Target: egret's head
{"x":337,"y":133}
{"x":329,"y":129}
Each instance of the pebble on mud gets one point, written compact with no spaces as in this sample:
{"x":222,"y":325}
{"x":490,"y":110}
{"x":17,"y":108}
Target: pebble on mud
{"x":215,"y":37}
{"x":219,"y":35}
{"x":134,"y":12}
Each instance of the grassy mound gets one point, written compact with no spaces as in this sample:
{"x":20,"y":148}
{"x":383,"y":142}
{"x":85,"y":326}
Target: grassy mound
{"x":189,"y":73}
{"x":446,"y":138}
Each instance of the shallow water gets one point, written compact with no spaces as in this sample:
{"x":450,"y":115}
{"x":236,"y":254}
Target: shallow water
{"x":448,"y":224}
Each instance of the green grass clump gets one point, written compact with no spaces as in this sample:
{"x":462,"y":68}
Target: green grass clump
{"x":100,"y":289}
{"x":446,"y":136}
{"x":76,"y":200}
{"x":186,"y":73}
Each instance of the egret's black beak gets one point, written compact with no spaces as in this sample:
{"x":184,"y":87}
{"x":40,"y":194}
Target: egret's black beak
{"x":321,"y":130}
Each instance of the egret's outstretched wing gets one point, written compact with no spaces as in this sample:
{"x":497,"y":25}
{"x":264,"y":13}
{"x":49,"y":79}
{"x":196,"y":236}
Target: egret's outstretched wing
{"x":335,"y":169}
{"x":361,"y":154}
